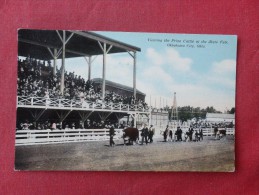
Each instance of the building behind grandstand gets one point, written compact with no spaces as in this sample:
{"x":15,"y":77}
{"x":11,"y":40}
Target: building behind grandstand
{"x":117,"y":88}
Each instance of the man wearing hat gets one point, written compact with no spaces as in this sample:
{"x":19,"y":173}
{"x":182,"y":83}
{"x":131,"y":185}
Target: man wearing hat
{"x":150,"y":133}
{"x":144,"y":134}
{"x":112,"y":133}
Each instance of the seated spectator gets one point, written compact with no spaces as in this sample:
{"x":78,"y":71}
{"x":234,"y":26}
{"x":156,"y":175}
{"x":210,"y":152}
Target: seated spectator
{"x":36,"y":79}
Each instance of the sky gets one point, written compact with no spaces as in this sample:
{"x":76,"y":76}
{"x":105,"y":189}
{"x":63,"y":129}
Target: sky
{"x":202,"y":73}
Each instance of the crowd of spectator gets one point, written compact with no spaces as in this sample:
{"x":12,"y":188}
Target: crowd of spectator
{"x":89,"y":124}
{"x":38,"y":79}
{"x":212,"y":125}
{"x":29,"y":80}
{"x":112,"y":97}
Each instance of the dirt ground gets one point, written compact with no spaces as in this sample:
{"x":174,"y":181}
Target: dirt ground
{"x":207,"y":155}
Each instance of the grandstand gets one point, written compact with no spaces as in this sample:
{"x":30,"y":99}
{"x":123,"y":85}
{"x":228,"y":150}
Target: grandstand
{"x":50,"y":44}
{"x":52,"y":98}
{"x":44,"y":90}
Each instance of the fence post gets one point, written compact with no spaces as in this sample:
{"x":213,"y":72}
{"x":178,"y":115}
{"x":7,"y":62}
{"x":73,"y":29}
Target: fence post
{"x":28,"y":135}
{"x":32,"y":101}
{"x":64,"y":135}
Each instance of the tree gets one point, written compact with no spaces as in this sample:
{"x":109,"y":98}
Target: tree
{"x":187,"y":112}
{"x":232,"y":110}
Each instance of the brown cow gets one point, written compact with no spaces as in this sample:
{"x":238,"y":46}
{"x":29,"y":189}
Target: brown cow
{"x":131,"y":134}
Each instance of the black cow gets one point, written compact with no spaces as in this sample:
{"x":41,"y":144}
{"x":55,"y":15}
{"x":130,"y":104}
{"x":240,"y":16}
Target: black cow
{"x":131,"y":134}
{"x":223,"y":132}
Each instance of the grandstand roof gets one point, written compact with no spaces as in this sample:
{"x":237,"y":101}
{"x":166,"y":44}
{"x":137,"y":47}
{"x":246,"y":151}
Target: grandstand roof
{"x":35,"y":43}
{"x":220,"y":115}
{"x":117,"y":85}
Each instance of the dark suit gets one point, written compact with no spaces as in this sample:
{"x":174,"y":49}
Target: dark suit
{"x":144,"y":134}
{"x":112,"y":133}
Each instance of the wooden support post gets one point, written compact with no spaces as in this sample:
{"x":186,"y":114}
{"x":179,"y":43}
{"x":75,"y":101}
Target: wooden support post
{"x":55,"y":62}
{"x":134,"y":75}
{"x":62,"y":84}
{"x":104,"y":71}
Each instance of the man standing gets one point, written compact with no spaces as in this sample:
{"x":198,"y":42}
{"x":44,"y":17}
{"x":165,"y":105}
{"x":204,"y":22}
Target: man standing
{"x":151,"y":133}
{"x":201,"y":134}
{"x":166,"y":133}
{"x":144,"y":134}
{"x":112,"y":133}
{"x":191,"y":132}
{"x":216,"y":131}
{"x":179,"y":134}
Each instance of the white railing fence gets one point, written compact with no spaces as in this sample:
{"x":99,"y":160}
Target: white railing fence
{"x":32,"y":137}
{"x":24,"y":101}
{"x":210,"y":131}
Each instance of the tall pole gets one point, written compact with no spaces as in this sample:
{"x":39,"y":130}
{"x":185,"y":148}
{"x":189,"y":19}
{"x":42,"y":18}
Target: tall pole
{"x":89,"y":68}
{"x":134,"y":74}
{"x":104,"y":70}
{"x":105,"y":52}
{"x":174,"y":108}
{"x":55,"y":62}
{"x":135,"y":120}
{"x":89,"y":60}
{"x":63,"y":63}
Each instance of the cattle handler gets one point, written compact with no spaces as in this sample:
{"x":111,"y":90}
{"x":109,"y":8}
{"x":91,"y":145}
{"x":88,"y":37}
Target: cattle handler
{"x":111,"y":133}
{"x":144,"y":134}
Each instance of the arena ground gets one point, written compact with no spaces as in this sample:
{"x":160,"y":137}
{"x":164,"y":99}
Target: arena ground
{"x":207,"y":155}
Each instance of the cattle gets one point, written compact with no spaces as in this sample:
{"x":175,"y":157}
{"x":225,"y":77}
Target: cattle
{"x":223,"y":132}
{"x":131,"y":134}
{"x":220,"y":133}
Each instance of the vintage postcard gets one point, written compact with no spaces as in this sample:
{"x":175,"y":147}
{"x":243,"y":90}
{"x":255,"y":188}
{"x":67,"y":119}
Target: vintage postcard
{"x":124,"y":101}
